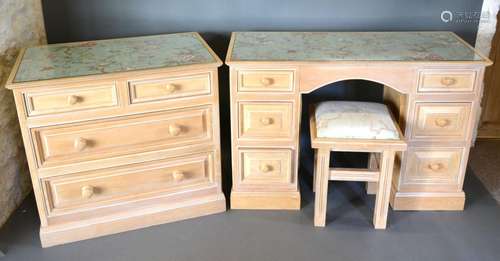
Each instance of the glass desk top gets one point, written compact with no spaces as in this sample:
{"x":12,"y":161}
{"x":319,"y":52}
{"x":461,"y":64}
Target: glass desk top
{"x":114,"y":55}
{"x":350,"y":46}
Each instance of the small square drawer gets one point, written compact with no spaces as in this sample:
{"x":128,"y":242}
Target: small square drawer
{"x":70,"y":99}
{"x":265,"y":80}
{"x":129,"y":182}
{"x":446,"y":81}
{"x":265,"y":167}
{"x":169,"y":88}
{"x":64,"y":144}
{"x":265,"y":120}
{"x":441,"y":120}
{"x":433,"y":166}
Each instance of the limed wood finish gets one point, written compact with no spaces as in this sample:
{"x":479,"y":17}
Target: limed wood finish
{"x":433,"y":86}
{"x":121,"y":150}
{"x":379,"y":170}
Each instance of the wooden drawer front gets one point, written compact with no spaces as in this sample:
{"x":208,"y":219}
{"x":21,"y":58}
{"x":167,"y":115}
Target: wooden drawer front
{"x":433,"y":166}
{"x":75,"y":99}
{"x":443,"y":120}
{"x":265,"y":80}
{"x":126,"y":135}
{"x":128,"y":182}
{"x":265,"y":120}
{"x":446,"y":81}
{"x":265,"y":167}
{"x":169,"y":88}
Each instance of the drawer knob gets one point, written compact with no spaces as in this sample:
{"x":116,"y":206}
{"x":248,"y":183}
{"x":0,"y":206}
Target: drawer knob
{"x":265,"y":168}
{"x":266,"y":121}
{"x":442,"y":122}
{"x":178,"y":175}
{"x":266,"y":81}
{"x":81,"y":143}
{"x":435,"y":166}
{"x":448,"y":81}
{"x":174,"y":129}
{"x":87,"y":191}
{"x":74,"y":99}
{"x":170,"y":88}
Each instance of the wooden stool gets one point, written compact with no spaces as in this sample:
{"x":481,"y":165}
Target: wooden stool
{"x":354,"y":127}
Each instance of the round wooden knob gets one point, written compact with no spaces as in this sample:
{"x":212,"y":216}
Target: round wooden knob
{"x":87,"y":191}
{"x":170,"y":88}
{"x":174,"y":129}
{"x":266,"y":81}
{"x":80,"y":144}
{"x":448,"y":81}
{"x":266,"y":120}
{"x":73,"y":99}
{"x":265,"y":168}
{"x":442,"y":122}
{"x":178,"y":175}
{"x":435,"y":166}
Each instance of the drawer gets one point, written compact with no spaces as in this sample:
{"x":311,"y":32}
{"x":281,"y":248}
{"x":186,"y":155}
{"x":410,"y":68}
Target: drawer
{"x":169,"y":88}
{"x":442,"y":120}
{"x":447,"y":81}
{"x":433,"y":166}
{"x":265,"y":120}
{"x":129,"y":182}
{"x":260,"y":167}
{"x":72,"y":99}
{"x":265,"y":80}
{"x":62,"y":144}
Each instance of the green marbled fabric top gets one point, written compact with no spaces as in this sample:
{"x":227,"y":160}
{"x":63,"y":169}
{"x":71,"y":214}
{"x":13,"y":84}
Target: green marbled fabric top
{"x":114,"y":55}
{"x":350,"y":46}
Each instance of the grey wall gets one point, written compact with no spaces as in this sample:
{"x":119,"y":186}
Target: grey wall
{"x":73,"y":20}
{"x":76,"y":20}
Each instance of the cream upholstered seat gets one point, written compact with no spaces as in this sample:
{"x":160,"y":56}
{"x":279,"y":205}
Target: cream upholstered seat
{"x":354,"y":127}
{"x":354,"y":120}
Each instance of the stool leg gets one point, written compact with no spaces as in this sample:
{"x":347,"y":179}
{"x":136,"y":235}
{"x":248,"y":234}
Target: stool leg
{"x":384,"y":190}
{"x":371,"y":187}
{"x":322,"y":166}
{"x":315,"y":170}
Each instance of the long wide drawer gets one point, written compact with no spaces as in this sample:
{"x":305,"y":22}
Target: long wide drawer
{"x":56,"y":145}
{"x":100,"y":188}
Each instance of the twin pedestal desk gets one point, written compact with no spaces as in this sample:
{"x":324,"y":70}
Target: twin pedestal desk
{"x":432,"y":82}
{"x":122,"y":134}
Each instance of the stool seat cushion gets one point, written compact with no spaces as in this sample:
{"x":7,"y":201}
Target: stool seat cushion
{"x":354,"y":120}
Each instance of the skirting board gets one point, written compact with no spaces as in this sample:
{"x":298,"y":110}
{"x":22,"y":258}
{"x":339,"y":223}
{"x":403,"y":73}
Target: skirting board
{"x":428,"y":201}
{"x":265,"y":200}
{"x":51,"y":236}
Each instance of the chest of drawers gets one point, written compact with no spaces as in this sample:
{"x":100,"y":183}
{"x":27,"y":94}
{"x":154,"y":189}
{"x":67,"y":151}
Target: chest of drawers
{"x":120,"y":134}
